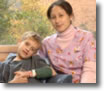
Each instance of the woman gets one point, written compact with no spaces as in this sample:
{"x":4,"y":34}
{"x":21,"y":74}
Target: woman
{"x":71,"y":50}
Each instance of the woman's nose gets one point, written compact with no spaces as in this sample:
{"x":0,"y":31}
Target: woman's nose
{"x":57,"y":20}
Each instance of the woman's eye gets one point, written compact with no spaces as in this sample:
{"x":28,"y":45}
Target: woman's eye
{"x":53,"y":17}
{"x":61,"y":15}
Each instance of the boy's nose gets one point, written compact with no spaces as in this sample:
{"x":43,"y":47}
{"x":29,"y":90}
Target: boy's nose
{"x":27,"y":49}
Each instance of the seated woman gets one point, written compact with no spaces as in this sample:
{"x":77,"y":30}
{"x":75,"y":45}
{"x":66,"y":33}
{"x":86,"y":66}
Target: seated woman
{"x":70,"y":50}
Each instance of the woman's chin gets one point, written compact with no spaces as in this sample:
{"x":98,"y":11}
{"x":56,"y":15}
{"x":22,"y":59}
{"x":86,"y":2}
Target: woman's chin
{"x":60,"y":31}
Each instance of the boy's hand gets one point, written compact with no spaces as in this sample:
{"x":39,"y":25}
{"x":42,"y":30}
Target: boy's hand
{"x":24,"y":73}
{"x":19,"y":79}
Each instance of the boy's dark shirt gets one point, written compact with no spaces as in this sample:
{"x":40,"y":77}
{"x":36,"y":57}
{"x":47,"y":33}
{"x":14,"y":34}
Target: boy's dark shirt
{"x":8,"y":67}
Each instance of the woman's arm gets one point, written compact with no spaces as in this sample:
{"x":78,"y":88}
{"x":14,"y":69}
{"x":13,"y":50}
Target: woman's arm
{"x":89,"y":67}
{"x":89,"y":72}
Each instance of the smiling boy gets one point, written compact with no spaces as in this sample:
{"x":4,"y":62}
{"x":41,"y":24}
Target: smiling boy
{"x":24,"y":63}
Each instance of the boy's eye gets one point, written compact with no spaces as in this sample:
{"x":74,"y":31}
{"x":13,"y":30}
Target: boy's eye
{"x":26,"y":43}
{"x":33,"y":49}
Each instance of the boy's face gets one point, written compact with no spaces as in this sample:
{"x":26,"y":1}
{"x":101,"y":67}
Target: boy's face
{"x":27,"y":48}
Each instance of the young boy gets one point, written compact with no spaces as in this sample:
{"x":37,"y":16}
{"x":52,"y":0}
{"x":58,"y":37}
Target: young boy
{"x":24,"y":64}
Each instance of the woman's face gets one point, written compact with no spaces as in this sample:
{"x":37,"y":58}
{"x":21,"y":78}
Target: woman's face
{"x":60,"y":19}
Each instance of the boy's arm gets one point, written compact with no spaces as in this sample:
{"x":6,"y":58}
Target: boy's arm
{"x":4,"y":72}
{"x":4,"y":68}
{"x":43,"y":72}
{"x":1,"y":71}
{"x":19,"y":79}
{"x":39,"y":69}
{"x":42,"y":68}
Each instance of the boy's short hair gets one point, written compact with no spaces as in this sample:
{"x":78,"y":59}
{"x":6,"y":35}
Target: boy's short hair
{"x":32,"y":35}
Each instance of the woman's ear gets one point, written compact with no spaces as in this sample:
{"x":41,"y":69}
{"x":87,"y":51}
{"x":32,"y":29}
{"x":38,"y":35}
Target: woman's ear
{"x":71,"y":19}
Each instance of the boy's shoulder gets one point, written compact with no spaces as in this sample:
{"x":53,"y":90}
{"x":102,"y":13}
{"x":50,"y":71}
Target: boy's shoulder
{"x":10,"y":57}
{"x":37,"y":60}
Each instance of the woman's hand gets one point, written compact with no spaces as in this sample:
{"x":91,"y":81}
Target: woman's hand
{"x":19,"y":79}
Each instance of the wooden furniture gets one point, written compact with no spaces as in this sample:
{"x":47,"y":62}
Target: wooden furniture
{"x":5,"y":50}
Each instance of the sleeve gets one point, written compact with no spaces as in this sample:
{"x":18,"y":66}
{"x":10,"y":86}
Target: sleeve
{"x":89,"y":72}
{"x":4,"y":73}
{"x":44,"y":72}
{"x":42,"y":69}
{"x":90,"y":49}
{"x":1,"y":72}
{"x":89,"y":66}
{"x":4,"y":69}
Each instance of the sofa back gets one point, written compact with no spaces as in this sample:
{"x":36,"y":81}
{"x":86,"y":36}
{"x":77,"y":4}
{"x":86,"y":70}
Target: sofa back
{"x":5,"y":50}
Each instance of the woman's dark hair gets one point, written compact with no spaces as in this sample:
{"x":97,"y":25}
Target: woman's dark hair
{"x":63,"y":4}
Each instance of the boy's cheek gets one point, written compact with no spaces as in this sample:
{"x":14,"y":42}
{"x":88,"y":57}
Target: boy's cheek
{"x":31,"y":54}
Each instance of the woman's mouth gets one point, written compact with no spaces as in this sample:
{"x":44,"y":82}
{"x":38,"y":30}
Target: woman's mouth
{"x":59,"y":26}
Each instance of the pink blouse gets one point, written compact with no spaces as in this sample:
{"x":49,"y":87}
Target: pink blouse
{"x":71,"y":59}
